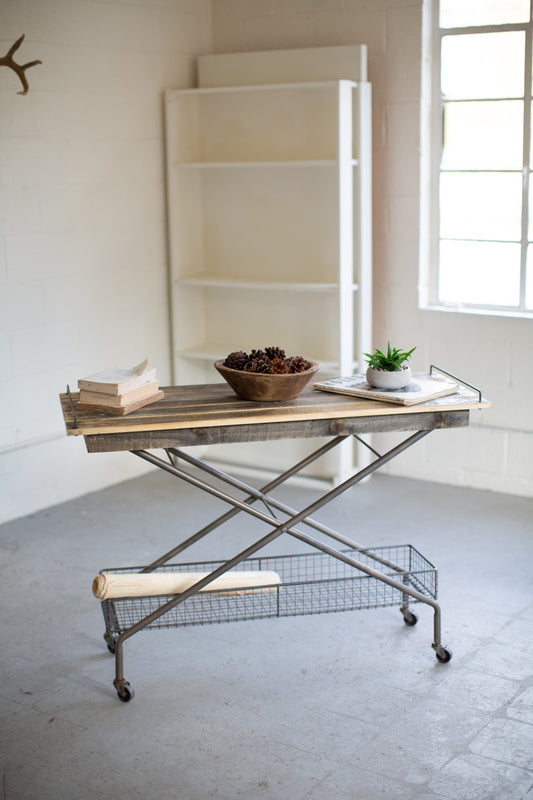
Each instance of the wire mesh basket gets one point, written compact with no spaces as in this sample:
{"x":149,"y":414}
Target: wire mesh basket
{"x":311,"y":583}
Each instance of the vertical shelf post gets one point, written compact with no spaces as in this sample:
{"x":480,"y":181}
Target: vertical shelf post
{"x":364,"y":234}
{"x":363,"y":238}
{"x":345,"y":217}
{"x":346,"y":251}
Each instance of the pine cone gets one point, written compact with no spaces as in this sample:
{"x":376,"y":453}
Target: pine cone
{"x":257,"y":365}
{"x":236,"y":360}
{"x":275,"y":353}
{"x":278,"y":366}
{"x":297,"y":364}
{"x":259,"y":354}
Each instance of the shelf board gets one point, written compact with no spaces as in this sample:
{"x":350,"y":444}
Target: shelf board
{"x":262,"y":87}
{"x":318,"y":162}
{"x":228,"y":282}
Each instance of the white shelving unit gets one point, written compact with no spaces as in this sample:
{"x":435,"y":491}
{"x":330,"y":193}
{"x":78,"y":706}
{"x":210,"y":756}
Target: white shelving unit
{"x":269,"y":208}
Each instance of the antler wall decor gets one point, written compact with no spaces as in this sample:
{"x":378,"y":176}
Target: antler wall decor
{"x":7,"y":61}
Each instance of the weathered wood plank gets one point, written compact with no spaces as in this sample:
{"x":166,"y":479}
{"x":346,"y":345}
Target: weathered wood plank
{"x":261,"y":432}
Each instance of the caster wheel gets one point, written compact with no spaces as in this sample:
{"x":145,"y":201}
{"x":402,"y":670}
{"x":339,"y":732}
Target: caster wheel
{"x":111,"y":642}
{"x":125,"y":692}
{"x":443,"y":655}
{"x":409,"y":618}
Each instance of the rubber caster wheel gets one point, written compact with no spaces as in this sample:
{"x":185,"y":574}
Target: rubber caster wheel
{"x":125,"y":692}
{"x":111,"y":642}
{"x":409,"y":618}
{"x":443,"y":655}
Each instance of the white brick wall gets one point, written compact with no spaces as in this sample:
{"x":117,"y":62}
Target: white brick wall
{"x":82,"y":228}
{"x":494,"y":353}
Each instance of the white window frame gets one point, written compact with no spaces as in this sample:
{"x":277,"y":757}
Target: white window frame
{"x":431,"y":146}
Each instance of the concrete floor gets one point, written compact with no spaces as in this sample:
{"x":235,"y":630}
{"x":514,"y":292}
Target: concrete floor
{"x":349,"y":706}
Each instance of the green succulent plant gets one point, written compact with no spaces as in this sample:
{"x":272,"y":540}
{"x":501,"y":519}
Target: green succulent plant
{"x":391,"y":361}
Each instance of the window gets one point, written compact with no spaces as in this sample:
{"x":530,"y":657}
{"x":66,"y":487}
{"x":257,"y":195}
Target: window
{"x":483,"y":199}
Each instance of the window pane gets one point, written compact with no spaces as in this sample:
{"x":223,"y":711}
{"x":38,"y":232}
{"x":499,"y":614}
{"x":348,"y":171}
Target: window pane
{"x":482,"y":273}
{"x":460,"y":13}
{"x":483,"y":65}
{"x":529,"y":278}
{"x":481,"y":205}
{"x":483,"y":135}
{"x":530,"y":226}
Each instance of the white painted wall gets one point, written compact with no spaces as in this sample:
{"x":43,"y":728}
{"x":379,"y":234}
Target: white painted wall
{"x":491,"y":352}
{"x":83,"y":263}
{"x":82,"y":230}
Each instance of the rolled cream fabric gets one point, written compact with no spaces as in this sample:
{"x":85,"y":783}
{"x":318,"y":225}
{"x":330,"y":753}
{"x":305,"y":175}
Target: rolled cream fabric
{"x":111,"y":585}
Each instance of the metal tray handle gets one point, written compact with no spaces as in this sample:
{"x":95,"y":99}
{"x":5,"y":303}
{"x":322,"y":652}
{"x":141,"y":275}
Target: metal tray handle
{"x":449,"y":374}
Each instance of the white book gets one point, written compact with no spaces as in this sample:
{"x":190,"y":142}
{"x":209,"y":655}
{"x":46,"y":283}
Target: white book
{"x":118,"y":380}
{"x":101,"y":398}
{"x":421,"y":388}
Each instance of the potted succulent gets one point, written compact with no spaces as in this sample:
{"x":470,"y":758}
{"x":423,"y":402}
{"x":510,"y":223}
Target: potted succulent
{"x":390,"y":370}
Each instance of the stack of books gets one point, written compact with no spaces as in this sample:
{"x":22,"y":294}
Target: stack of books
{"x":119,"y":390}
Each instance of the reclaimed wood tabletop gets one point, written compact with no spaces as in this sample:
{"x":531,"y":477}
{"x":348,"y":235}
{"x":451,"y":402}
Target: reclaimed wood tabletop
{"x":212,"y":413}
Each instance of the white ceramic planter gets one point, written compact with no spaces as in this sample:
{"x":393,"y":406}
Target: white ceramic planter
{"x":385,"y":379}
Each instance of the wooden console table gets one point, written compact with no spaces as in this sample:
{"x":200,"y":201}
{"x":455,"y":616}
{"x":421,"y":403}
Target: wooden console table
{"x":211,"y":414}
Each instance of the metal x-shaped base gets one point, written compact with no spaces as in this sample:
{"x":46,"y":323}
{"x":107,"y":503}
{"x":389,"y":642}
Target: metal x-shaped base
{"x":293,"y":518}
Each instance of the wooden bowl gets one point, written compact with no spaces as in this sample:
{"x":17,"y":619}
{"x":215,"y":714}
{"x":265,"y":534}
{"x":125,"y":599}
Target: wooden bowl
{"x":264,"y":387}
